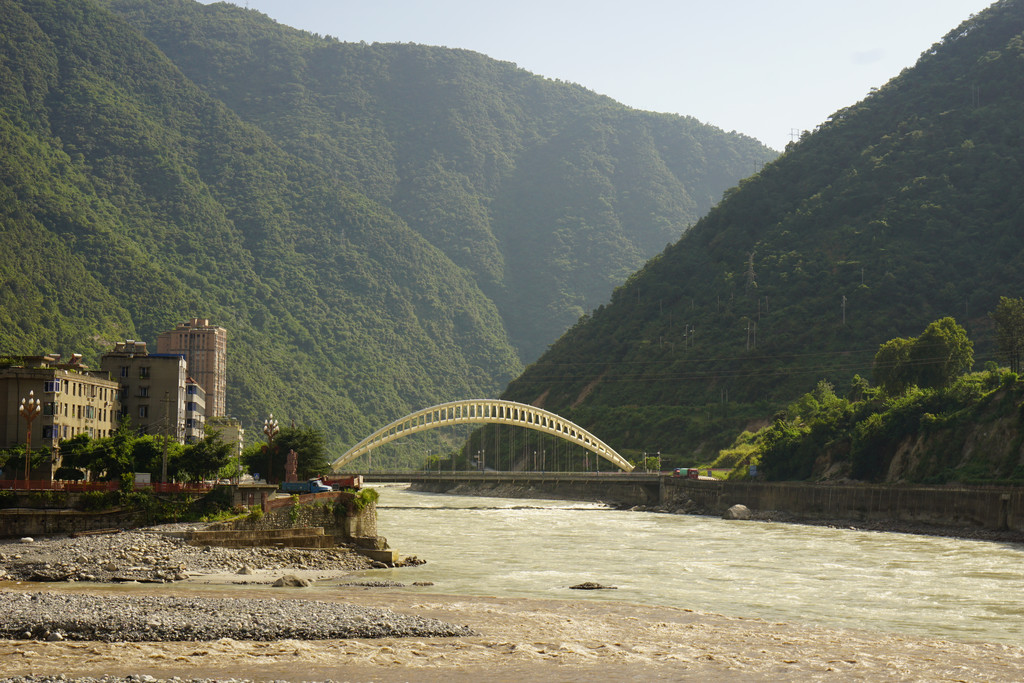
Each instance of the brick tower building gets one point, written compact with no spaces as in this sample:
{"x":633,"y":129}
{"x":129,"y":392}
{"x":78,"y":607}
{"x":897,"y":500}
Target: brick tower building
{"x":204,"y":347}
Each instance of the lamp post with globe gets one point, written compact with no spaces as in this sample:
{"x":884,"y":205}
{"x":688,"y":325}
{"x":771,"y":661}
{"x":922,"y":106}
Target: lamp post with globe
{"x":29,"y":409}
{"x":270,"y":428}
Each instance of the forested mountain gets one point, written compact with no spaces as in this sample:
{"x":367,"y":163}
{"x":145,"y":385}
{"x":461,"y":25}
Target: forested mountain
{"x":372,"y":224}
{"x":899,"y":210}
{"x":549,"y":195}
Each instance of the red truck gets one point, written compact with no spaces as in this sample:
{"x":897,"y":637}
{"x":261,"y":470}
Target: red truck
{"x":343,"y":481}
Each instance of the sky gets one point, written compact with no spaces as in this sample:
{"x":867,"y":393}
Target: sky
{"x":767,"y":69}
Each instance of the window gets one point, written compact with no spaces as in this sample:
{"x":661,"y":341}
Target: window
{"x":51,"y":408}
{"x":144,"y":373}
{"x":90,"y":412}
{"x":143,"y":411}
{"x":191,"y":407}
{"x":124,"y":370}
{"x":143,"y":392}
{"x":192,"y":389}
{"x":51,"y":386}
{"x":47,"y":431}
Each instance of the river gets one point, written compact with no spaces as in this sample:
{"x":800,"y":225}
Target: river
{"x":903,"y":583}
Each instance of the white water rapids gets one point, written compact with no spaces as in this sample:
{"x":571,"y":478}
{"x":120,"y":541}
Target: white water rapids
{"x":923,"y":585}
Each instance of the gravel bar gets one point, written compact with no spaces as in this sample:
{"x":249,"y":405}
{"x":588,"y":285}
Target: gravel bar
{"x":122,"y":679}
{"x":152,"y":555}
{"x":54,"y":617}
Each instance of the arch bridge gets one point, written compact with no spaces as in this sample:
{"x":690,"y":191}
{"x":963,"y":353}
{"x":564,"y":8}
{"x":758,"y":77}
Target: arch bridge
{"x":484,"y":411}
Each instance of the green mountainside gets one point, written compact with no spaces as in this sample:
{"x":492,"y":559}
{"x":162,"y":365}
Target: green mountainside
{"x":899,"y":210}
{"x":370,"y":254}
{"x":548,"y":194}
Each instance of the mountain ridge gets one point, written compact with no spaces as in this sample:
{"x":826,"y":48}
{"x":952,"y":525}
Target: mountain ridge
{"x":134,"y":199}
{"x":900,"y":209}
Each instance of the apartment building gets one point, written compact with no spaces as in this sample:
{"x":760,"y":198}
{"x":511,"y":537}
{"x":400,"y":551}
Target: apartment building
{"x":230,"y":430}
{"x":204,"y":347}
{"x":74,"y":400}
{"x":152,"y":388}
{"x":195,"y":411}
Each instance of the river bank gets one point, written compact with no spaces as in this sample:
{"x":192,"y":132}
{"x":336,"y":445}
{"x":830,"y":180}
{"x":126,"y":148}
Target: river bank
{"x":683,"y":505}
{"x":530,"y":640}
{"x":153,"y":555}
{"x":227,"y":600}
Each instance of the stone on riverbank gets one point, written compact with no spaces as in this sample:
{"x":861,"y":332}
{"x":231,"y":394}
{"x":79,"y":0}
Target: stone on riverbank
{"x":291,"y":581}
{"x":737,"y":512}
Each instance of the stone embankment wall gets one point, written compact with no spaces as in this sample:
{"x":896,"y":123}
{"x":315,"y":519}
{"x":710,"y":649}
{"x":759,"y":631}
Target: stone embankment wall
{"x":336,"y":512}
{"x":19,"y":522}
{"x":908,"y":507}
{"x":991,"y":508}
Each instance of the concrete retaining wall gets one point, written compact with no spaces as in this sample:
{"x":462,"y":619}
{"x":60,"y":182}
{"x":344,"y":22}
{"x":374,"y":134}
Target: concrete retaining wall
{"x":335,"y":511}
{"x":989,"y":508}
{"x":18,"y":522}
{"x":994,"y":508}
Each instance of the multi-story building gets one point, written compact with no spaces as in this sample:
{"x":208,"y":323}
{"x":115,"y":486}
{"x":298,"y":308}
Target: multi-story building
{"x":153,"y":388}
{"x":204,"y":347}
{"x":230,"y":431}
{"x":74,"y":400}
{"x":195,"y":411}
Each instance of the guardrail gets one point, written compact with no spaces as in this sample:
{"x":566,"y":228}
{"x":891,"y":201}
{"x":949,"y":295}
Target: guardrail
{"x":84,"y":486}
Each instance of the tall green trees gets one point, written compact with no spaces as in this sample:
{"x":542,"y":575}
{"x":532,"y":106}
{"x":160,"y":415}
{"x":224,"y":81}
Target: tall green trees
{"x":308,"y":444}
{"x":931,"y":361}
{"x":1009,"y":321}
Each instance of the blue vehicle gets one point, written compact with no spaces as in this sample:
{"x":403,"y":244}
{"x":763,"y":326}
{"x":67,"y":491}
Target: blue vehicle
{"x":311,"y":486}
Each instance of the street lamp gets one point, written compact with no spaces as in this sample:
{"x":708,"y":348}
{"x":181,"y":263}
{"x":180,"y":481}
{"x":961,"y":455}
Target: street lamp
{"x":271,"y":429}
{"x":29,"y":409}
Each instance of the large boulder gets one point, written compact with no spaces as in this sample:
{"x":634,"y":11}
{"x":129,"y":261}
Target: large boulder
{"x":737,"y":512}
{"x":290,"y":580}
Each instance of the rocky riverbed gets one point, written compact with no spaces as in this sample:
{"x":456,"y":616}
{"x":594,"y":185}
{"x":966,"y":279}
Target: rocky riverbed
{"x":150,"y":618}
{"x":151,"y":555}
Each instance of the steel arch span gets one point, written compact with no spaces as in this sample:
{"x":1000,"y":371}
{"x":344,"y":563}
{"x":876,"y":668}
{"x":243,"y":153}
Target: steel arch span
{"x":484,"y":411}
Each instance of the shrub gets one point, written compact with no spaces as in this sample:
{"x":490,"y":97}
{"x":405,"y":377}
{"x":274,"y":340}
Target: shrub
{"x":365,"y":498}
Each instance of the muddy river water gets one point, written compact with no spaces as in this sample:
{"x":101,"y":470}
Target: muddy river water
{"x":694,"y":598}
{"x":922,"y":585}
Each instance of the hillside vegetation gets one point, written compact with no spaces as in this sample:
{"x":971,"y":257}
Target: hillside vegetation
{"x":547,"y":194}
{"x":901,"y":209}
{"x":925,"y":422}
{"x":364,"y":220}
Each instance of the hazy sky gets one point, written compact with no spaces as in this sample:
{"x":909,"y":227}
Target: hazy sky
{"x":759,"y":67}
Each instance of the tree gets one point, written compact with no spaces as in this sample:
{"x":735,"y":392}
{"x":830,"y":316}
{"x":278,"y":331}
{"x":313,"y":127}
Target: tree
{"x":1009,"y":321}
{"x":890,"y":369}
{"x":307,"y":442}
{"x":107,"y":459}
{"x":204,"y":458}
{"x":941,"y":354}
